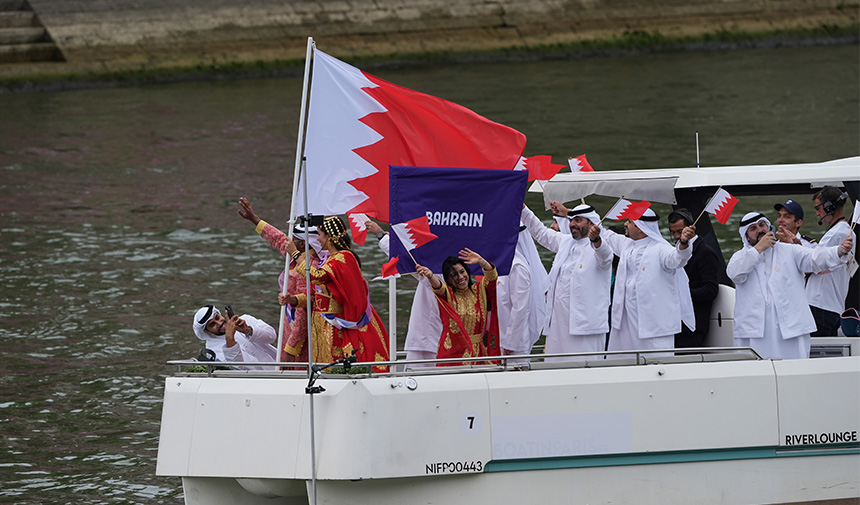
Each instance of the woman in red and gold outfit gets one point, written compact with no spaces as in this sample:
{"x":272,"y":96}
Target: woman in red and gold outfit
{"x":343,"y":319}
{"x":469,"y":301}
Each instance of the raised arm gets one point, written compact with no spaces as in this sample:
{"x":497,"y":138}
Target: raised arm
{"x":275,"y":237}
{"x":544,"y":236}
{"x":818,"y":259}
{"x":435,"y":283}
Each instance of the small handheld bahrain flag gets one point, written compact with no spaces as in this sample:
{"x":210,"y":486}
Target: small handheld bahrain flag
{"x":414,"y":233}
{"x":579,"y":164}
{"x":359,"y":228}
{"x":389,"y":269}
{"x":540,"y":168}
{"x":625,"y":209}
{"x":721,"y":205}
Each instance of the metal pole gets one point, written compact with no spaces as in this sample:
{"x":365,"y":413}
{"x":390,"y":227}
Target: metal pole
{"x":392,"y":319}
{"x":697,"y":149}
{"x":300,"y":151}
{"x":309,"y":343}
{"x":301,"y":165}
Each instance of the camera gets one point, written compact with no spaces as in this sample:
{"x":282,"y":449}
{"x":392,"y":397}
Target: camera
{"x":229,"y":310}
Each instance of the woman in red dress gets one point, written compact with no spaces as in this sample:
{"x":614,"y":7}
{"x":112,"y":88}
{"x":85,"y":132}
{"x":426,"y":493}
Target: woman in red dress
{"x":465,"y":302}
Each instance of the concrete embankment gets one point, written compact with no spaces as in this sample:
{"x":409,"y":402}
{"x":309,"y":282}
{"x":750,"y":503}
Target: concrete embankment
{"x":95,"y":36}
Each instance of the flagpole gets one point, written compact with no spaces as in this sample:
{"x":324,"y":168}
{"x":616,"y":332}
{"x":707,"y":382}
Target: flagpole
{"x":706,"y":205}
{"x":697,"y":153}
{"x":301,"y":163}
{"x":392,"y":318}
{"x":410,"y":255}
{"x":854,"y":217}
{"x":300,"y":147}
{"x":300,"y":140}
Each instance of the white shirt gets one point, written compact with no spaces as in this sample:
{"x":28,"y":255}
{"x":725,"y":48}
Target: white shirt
{"x":256,"y":347}
{"x":579,"y":280}
{"x":827,"y":289}
{"x":521,"y":298}
{"x":645,"y":282}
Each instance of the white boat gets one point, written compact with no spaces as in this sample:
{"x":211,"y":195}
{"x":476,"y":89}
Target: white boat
{"x":718,"y":426}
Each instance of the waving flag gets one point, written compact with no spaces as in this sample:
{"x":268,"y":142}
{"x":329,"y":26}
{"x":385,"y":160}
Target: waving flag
{"x":414,"y":233}
{"x":359,"y":124}
{"x":358,"y":227}
{"x":389,"y":269}
{"x":579,"y":164}
{"x":721,"y":205}
{"x":540,"y":168}
{"x":478,"y":209}
{"x":625,"y":209}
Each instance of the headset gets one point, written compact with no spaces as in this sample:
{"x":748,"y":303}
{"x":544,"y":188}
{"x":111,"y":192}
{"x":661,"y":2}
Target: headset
{"x":829,"y":206}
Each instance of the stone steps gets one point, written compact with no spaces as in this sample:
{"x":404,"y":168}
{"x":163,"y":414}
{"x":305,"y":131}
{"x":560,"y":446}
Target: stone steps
{"x":29,"y":35}
{"x":23,"y":39}
{"x":12,"y":5}
{"x":28,"y":53}
{"x":17,"y":19}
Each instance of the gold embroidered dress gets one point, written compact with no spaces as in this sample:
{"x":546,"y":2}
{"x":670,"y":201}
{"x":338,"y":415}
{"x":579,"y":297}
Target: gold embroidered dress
{"x":341,"y":296}
{"x":471,"y":306}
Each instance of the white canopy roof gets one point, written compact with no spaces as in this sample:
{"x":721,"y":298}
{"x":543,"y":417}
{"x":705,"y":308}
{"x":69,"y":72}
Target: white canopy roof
{"x":658,"y":184}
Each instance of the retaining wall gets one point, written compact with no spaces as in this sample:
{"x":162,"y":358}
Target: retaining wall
{"x":143,"y":32}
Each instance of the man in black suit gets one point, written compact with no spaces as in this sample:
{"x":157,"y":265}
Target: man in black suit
{"x":703,"y":270}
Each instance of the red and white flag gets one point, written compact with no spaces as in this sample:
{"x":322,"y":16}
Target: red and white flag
{"x":359,"y":124}
{"x":414,"y":233}
{"x":721,"y":205}
{"x":625,"y":209}
{"x":389,"y":269}
{"x":541,"y":168}
{"x":579,"y":164}
{"x":358,"y":227}
{"x":856,"y":216}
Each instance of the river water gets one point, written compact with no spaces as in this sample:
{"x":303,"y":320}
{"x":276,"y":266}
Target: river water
{"x":118,"y":219}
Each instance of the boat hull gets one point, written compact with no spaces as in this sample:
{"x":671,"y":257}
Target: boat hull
{"x":722,"y":432}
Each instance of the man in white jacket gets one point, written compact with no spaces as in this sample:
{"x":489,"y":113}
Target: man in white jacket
{"x":579,"y":281}
{"x":652,"y":291}
{"x":236,"y":339}
{"x":771,"y":312}
{"x":521,"y":298}
{"x":826,"y":290}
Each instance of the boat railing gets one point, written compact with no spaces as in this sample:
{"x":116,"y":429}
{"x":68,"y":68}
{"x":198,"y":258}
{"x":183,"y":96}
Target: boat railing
{"x":522,"y":362}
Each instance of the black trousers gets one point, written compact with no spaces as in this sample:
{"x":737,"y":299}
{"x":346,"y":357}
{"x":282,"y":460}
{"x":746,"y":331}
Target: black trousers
{"x":826,"y":322}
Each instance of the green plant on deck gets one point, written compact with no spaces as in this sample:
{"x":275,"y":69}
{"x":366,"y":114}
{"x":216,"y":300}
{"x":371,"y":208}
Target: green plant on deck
{"x":353,"y":370}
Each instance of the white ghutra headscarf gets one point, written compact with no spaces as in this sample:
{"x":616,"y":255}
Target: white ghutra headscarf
{"x":748,"y":220}
{"x":213,"y":342}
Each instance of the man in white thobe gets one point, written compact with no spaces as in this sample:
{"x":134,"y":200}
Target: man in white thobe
{"x":521,"y":298}
{"x":771,"y":312}
{"x":236,"y":339}
{"x":652,"y":291}
{"x":579,"y":281}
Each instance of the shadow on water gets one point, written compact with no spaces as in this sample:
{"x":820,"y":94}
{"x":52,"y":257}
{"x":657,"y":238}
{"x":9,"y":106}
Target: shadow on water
{"x":118,"y":219}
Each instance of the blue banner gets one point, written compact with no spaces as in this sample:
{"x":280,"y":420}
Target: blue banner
{"x":470,"y":208}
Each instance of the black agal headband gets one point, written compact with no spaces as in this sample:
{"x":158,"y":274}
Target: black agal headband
{"x":752,"y":220}
{"x":207,"y":315}
{"x":576,"y":212}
